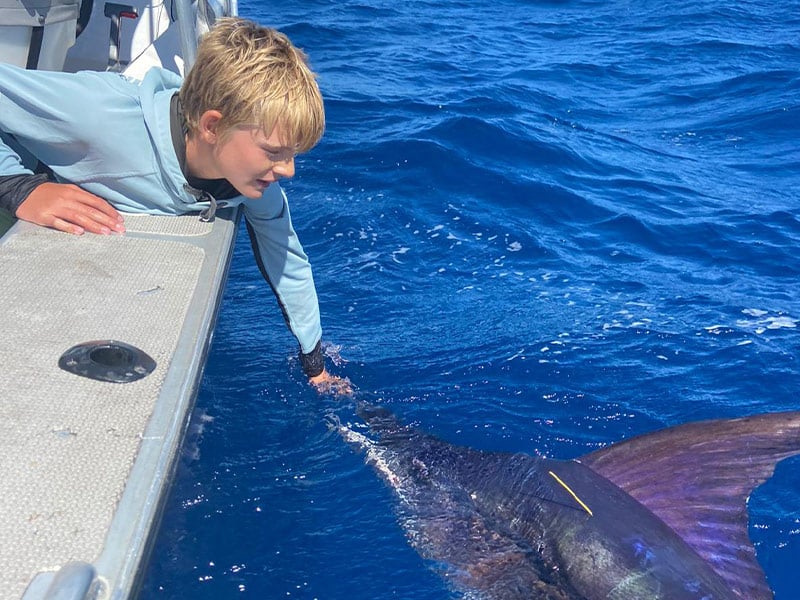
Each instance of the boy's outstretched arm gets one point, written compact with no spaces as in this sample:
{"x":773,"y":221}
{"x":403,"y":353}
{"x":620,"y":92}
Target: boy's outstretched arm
{"x":284,"y":265}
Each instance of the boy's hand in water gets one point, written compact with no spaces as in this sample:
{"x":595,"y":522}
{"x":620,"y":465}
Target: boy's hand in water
{"x":331,"y":384}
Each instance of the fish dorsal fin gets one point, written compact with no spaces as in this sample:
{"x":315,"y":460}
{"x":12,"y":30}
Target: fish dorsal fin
{"x":697,"y":478}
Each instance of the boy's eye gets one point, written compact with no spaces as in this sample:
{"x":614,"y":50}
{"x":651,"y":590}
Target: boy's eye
{"x":279,"y":155}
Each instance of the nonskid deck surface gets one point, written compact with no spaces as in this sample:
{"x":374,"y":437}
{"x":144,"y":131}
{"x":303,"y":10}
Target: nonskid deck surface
{"x":68,"y":444}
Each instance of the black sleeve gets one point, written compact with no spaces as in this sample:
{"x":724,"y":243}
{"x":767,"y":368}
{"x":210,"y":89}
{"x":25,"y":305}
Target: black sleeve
{"x":14,"y":189}
{"x":313,"y":362}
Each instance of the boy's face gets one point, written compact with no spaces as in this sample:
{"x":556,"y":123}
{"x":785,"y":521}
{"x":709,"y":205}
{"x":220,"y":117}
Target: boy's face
{"x":250,"y":160}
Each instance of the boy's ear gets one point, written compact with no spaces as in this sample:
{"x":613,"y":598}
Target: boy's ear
{"x":208,"y":125}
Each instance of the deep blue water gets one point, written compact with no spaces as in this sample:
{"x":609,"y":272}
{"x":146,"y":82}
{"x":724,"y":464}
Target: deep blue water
{"x":536,"y":227}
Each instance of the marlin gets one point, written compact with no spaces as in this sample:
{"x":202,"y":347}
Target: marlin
{"x":659,"y":516}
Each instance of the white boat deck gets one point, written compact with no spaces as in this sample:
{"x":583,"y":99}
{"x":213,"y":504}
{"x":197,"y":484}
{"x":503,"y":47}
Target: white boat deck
{"x":86,"y":464}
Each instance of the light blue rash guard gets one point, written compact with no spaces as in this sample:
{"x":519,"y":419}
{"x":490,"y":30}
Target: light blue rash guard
{"x":111,"y":136}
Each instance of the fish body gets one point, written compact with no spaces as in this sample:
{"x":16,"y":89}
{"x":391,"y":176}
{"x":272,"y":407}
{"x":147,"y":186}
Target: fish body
{"x":661,"y":516}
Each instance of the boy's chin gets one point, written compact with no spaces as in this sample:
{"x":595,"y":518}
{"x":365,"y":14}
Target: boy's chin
{"x":252,"y":191}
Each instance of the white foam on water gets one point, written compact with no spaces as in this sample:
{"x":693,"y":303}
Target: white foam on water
{"x":399,"y":252}
{"x":781,"y":322}
{"x":764,"y":321}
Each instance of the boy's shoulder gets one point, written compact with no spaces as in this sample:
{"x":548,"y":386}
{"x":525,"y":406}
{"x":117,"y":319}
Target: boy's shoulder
{"x":154,"y":80}
{"x":156,"y":76}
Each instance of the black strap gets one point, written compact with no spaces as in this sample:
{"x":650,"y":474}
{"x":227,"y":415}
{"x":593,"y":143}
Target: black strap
{"x":83,"y":16}
{"x":35,"y":48}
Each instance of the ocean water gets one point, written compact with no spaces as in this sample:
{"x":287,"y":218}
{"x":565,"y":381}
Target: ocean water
{"x":535,"y":227}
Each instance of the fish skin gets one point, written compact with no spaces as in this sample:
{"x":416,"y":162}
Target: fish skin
{"x":501,"y":526}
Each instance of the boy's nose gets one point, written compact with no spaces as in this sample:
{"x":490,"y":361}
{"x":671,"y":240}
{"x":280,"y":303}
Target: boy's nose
{"x":284,"y":168}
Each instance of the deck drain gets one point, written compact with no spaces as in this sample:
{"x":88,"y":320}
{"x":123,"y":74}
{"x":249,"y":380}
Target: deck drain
{"x":107,"y":360}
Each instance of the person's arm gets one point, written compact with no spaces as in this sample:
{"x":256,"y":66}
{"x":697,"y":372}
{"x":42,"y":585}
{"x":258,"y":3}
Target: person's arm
{"x":285,"y":266}
{"x":34,"y":197}
{"x":69,"y":208}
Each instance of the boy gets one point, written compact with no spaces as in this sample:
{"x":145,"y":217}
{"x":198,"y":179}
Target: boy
{"x":224,"y":137}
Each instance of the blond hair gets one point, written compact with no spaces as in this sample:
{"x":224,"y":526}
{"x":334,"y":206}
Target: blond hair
{"x":254,"y":76}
